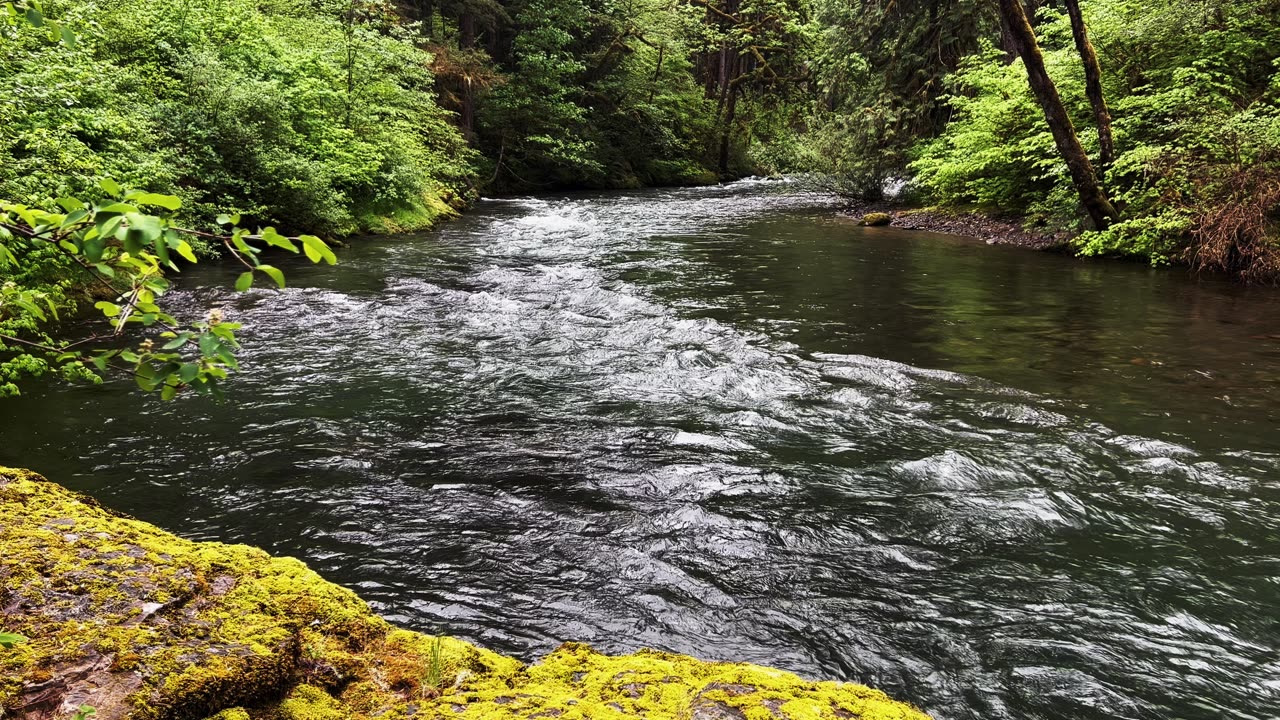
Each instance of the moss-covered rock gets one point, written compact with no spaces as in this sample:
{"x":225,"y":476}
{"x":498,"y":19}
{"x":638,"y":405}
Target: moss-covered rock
{"x":144,"y":625}
{"x":876,"y":219}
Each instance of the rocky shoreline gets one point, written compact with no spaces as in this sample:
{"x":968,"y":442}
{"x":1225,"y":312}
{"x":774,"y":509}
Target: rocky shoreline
{"x":140,"y":624}
{"x":993,"y":231}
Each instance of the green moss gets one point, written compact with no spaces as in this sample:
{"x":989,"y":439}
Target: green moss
{"x":431,"y":209}
{"x":307,"y":702}
{"x":235,"y":713}
{"x":154,"y":627}
{"x":577,"y":682}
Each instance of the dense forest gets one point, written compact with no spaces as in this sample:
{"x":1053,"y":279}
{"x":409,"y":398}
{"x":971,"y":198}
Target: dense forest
{"x":1136,"y":127}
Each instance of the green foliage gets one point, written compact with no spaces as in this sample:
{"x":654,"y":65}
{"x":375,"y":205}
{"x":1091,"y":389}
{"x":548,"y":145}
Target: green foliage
{"x":537,"y":116}
{"x":879,"y":71}
{"x":997,"y":153}
{"x":121,"y":246}
{"x":31,"y":13}
{"x":297,"y":114}
{"x":1195,"y":93}
{"x":597,"y":94}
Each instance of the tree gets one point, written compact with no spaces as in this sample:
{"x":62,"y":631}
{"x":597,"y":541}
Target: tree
{"x":1092,"y":195}
{"x":880,"y":70}
{"x":1093,"y":85}
{"x":750,"y":46}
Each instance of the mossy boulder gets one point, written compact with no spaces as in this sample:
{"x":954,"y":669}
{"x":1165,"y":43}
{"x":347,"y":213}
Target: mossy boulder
{"x":144,"y":625}
{"x":875,"y":219}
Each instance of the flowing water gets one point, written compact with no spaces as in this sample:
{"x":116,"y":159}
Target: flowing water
{"x":727,"y":422}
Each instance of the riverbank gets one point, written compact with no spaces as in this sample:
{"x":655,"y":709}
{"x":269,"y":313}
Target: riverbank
{"x":141,"y":624}
{"x":992,"y":230}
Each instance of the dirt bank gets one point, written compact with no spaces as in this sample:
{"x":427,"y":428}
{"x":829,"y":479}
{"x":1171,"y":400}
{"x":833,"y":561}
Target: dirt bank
{"x":994,"y":231}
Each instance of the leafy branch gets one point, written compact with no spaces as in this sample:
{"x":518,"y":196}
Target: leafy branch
{"x":126,"y":243}
{"x":15,"y":13}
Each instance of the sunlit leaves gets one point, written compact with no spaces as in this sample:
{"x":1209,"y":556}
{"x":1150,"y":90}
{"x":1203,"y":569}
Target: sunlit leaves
{"x":275,"y":239}
{"x":273,"y":273}
{"x":184,"y":249}
{"x":168,"y":202}
{"x":317,"y":250}
{"x":31,"y":13}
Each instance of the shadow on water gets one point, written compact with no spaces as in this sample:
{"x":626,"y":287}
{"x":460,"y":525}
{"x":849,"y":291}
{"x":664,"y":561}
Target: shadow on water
{"x":720,"y":421}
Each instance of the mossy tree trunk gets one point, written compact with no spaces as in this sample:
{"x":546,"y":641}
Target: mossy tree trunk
{"x":1093,"y":85}
{"x":1092,"y":195}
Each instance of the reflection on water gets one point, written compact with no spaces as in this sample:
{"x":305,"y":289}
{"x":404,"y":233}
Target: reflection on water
{"x":720,"y":421}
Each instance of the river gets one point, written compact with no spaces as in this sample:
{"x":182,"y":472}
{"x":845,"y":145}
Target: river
{"x":727,"y":422}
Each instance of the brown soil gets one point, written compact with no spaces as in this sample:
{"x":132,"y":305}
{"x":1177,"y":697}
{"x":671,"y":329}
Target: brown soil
{"x":994,"y":231}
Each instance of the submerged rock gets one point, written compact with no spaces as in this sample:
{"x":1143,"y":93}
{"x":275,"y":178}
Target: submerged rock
{"x":141,"y":624}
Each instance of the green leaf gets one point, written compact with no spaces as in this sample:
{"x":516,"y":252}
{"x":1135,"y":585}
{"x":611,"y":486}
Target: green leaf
{"x":107,"y":226}
{"x":68,"y":37}
{"x":275,"y":239}
{"x":168,"y":392}
{"x":110,"y":187}
{"x":93,"y":249}
{"x":34,"y":18}
{"x":8,"y":639}
{"x":29,"y":307}
{"x":168,"y":202}
{"x":177,"y":342}
{"x":108,"y":308}
{"x":162,"y":251}
{"x":209,"y":345}
{"x":245,"y":281}
{"x":143,"y":230}
{"x":74,"y":216}
{"x":224,"y":354}
{"x":317,"y":250}
{"x":237,"y":239}
{"x":184,"y":249}
{"x":273,"y":273}
{"x":188,"y":372}
{"x":70,"y":204}
{"x":100,"y":362}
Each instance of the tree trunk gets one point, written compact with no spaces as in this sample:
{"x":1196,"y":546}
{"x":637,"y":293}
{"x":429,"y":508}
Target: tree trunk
{"x":1093,"y":85}
{"x":467,"y":30}
{"x":1091,"y":193}
{"x":726,"y":134}
{"x":657,"y":73}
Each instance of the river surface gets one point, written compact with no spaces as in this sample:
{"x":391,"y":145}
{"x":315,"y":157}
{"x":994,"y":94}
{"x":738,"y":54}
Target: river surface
{"x":727,"y":422}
